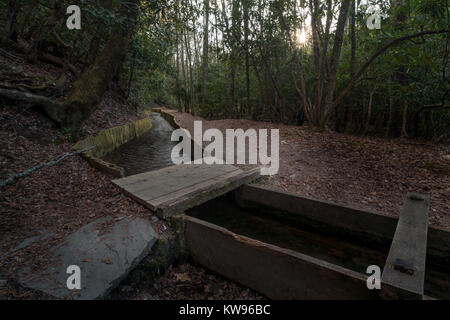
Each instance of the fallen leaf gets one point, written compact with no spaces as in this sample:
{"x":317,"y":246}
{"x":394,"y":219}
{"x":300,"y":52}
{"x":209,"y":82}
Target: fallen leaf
{"x":183,"y":277}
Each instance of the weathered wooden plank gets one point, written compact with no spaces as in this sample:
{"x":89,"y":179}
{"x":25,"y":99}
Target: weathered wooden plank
{"x":172,"y":174}
{"x":163,"y":172}
{"x":143,"y":177}
{"x":206,"y":191}
{"x":404,"y":272}
{"x":188,"y":190}
{"x":173,"y":182}
{"x":174,"y":189}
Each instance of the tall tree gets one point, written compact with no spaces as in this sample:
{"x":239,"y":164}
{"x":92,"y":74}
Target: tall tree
{"x":9,"y":32}
{"x":205,"y":51}
{"x":235,"y":37}
{"x":89,"y":89}
{"x":246,"y":10}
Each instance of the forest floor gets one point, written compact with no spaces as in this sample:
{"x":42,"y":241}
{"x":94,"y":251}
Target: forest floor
{"x":189,"y":282}
{"x":365,"y":172}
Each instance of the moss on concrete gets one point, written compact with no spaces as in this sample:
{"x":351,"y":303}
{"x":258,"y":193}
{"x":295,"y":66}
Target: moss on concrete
{"x":109,"y":140}
{"x":112,"y":138}
{"x":163,"y":254}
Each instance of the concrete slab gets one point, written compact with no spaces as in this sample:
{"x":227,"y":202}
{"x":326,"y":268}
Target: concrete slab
{"x":404,"y":272}
{"x":105,"y":250}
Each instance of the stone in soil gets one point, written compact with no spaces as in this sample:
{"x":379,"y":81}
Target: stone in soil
{"x":105,"y":250}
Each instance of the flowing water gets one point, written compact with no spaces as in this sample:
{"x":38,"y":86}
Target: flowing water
{"x":149,"y":152}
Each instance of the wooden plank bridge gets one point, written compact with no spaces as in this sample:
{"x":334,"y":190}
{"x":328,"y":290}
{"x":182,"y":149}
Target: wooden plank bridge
{"x":172,"y":190}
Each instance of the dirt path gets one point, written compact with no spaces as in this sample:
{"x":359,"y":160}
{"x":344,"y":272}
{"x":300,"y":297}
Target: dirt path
{"x":364,"y":172}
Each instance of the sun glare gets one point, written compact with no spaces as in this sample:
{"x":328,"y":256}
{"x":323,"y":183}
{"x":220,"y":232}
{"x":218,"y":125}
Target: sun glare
{"x":301,"y":36}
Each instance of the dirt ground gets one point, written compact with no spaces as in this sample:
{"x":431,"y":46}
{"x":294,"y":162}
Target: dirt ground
{"x":364,"y":172}
{"x":188,"y":282}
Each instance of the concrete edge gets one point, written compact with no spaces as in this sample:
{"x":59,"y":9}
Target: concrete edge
{"x":403,"y":276}
{"x":110,"y":139}
{"x":273,"y":271}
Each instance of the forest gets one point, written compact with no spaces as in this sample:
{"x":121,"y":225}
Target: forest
{"x":354,"y":93}
{"x":284,"y":61}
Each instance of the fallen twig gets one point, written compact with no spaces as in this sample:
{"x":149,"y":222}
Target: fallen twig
{"x":6,"y":53}
{"x":17,"y":176}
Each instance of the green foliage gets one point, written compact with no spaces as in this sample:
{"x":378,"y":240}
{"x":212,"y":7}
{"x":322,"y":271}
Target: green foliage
{"x":67,"y":133}
{"x":413,"y":73}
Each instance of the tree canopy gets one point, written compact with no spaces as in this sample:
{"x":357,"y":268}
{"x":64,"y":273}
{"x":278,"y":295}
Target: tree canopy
{"x":319,"y":61}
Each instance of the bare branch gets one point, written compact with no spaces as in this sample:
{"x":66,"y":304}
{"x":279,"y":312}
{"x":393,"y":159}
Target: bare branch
{"x":364,"y":67}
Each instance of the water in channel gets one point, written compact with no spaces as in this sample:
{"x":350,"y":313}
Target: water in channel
{"x":149,"y":152}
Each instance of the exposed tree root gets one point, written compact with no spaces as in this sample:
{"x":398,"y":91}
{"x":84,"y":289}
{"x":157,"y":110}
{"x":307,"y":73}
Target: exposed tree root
{"x":40,"y":166}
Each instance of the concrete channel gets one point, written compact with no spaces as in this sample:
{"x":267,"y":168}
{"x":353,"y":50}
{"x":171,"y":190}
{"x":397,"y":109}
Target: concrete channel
{"x":289,"y":247}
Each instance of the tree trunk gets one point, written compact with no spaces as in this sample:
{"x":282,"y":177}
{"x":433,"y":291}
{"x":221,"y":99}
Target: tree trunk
{"x":369,"y":110}
{"x":130,"y":80}
{"x":178,"y":75}
{"x":334,"y":64}
{"x":247,"y":54}
{"x":9,"y":33}
{"x":405,"y":117}
{"x":183,"y":71}
{"x":89,"y":89}
{"x":96,"y":39}
{"x":205,"y":53}
{"x":191,"y":78}
{"x":391,"y":104}
{"x":57,"y":14}
{"x":349,"y":107}
{"x":235,"y":35}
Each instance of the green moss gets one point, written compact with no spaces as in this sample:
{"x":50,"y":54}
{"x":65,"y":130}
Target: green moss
{"x":162,"y":256}
{"x":157,"y":263}
{"x":67,"y":132}
{"x":110,"y":139}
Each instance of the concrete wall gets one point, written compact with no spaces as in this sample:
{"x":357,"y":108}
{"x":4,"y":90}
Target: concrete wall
{"x":372,"y":227}
{"x":285,"y":274}
{"x":275,"y":272}
{"x":169,"y":117}
{"x":110,"y":139}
